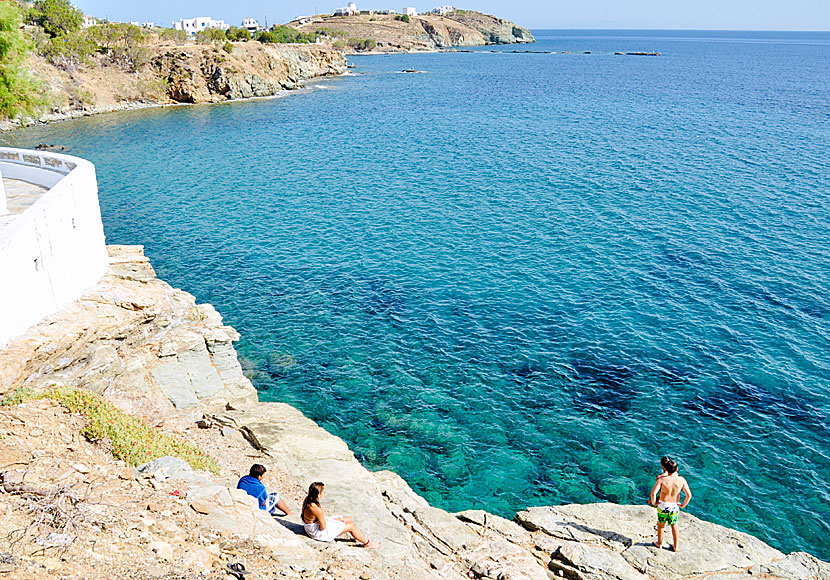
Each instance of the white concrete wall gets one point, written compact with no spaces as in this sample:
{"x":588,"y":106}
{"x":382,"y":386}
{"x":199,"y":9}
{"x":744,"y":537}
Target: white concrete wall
{"x":3,"y":204}
{"x":54,"y":250}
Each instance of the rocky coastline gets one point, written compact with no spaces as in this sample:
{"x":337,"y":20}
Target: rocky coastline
{"x":422,"y":33}
{"x":155,"y":353}
{"x":180,"y":74}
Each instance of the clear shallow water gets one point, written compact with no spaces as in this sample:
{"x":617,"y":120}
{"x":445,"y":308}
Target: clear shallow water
{"x":522,"y":278}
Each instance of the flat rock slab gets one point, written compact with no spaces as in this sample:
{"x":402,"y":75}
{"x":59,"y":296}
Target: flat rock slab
{"x":705,"y":548}
{"x":312,"y":454}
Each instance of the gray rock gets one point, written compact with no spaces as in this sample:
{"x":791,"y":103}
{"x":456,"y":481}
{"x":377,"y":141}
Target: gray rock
{"x":173,"y":380}
{"x":204,"y":378}
{"x":705,"y":548}
{"x":448,"y":529}
{"x":510,"y":530}
{"x":174,"y":467}
{"x":797,"y":565}
{"x":312,"y":454}
{"x":592,"y":563}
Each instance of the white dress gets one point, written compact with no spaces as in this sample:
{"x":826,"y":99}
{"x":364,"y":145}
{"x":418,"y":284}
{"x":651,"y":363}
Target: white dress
{"x":333,"y":529}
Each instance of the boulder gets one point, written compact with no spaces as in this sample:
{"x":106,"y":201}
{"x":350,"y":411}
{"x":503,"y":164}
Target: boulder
{"x":170,"y":467}
{"x":705,"y":548}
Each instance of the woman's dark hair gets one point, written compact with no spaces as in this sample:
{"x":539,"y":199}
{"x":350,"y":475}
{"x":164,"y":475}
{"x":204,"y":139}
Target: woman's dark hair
{"x":314,"y":491}
{"x":669,"y":465}
{"x":257,"y":470}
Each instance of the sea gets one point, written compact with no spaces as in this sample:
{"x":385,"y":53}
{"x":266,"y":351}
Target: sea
{"x":521,"y":278}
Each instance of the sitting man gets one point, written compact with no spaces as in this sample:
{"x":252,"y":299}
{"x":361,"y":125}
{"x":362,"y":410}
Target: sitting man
{"x":252,"y":485}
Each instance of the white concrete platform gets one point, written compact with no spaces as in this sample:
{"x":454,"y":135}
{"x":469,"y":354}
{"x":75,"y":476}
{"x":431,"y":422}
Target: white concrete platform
{"x":20,"y":195}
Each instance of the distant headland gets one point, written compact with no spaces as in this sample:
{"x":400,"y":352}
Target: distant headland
{"x":388,"y":31}
{"x":63,"y":63}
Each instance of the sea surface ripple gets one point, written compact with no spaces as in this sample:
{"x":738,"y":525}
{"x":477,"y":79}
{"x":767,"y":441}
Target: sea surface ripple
{"x":520,"y":279}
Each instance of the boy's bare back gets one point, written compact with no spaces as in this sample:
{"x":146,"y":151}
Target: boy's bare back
{"x":671,"y":484}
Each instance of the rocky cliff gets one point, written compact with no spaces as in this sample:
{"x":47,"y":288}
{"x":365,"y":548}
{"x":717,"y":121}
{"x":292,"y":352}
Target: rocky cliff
{"x":194,"y":74}
{"x":185,"y":73}
{"x":421,"y":33}
{"x":72,"y":511}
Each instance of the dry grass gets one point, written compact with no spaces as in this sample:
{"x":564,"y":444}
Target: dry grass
{"x":130,"y":438}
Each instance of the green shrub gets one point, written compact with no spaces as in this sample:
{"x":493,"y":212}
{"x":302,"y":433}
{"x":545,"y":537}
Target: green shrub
{"x":68,"y":50}
{"x":331,"y":33}
{"x":123,"y":45}
{"x":403,"y":18}
{"x":17,"y":396}
{"x":19,"y":93}
{"x":56,"y":17}
{"x":171,"y":35}
{"x":227,"y":47}
{"x":235,"y":34}
{"x":285,"y":34}
{"x":211,"y":35}
{"x":133,"y":440}
{"x":362,"y":44}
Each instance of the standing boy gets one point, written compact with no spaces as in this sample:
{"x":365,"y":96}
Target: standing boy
{"x":670,"y":485}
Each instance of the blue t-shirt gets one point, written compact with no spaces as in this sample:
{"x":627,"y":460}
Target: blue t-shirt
{"x":253,"y":486}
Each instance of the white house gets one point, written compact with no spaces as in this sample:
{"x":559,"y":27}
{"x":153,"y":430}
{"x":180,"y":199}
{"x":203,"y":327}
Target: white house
{"x":89,"y":21}
{"x":442,"y":10}
{"x":349,"y":10}
{"x":410,"y":11}
{"x":194,"y":25}
{"x":148,"y":24}
{"x":251,"y":25}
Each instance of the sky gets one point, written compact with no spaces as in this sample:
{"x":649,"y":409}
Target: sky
{"x":661,"y":14}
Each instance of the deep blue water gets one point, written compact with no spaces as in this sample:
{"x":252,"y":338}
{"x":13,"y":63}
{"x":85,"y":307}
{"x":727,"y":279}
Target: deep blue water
{"x":522,"y":278}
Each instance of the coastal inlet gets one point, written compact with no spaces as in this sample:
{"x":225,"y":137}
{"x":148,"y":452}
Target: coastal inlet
{"x":521,"y":279}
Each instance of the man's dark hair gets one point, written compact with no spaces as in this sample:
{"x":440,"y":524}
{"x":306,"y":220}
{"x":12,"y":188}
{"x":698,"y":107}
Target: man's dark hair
{"x":258,"y":470}
{"x":669,"y":465}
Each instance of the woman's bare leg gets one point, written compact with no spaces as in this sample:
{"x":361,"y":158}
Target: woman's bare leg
{"x":356,"y":534}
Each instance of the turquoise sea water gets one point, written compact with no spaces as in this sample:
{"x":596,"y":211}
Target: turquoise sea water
{"x":520,"y":279}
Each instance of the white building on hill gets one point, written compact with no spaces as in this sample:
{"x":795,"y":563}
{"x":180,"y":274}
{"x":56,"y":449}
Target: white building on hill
{"x":251,"y":25}
{"x":442,"y":10}
{"x":349,"y":10}
{"x":194,"y":25}
{"x":410,"y":11}
{"x":89,"y":21}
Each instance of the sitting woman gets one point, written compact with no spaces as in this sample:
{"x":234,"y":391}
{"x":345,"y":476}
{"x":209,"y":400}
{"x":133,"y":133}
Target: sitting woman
{"x":319,"y":526}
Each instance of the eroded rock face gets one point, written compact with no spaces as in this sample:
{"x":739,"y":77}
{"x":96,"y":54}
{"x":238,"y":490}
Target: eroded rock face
{"x":144,"y":345}
{"x":615,"y":542}
{"x":200,"y":74}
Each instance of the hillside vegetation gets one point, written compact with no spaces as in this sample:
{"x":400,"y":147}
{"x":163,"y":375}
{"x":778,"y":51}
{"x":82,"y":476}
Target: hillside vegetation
{"x":51,"y":67}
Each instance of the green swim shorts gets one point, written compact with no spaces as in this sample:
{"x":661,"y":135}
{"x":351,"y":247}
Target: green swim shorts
{"x":667,"y":513}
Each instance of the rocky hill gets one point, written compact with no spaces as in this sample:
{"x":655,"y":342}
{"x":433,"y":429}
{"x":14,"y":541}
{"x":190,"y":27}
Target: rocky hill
{"x":72,"y":510}
{"x":183,"y":73}
{"x":421,"y":33}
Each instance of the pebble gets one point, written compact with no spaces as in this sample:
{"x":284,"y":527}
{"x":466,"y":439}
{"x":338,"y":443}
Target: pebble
{"x":81,"y":468}
{"x":36,"y":432}
{"x":199,"y":508}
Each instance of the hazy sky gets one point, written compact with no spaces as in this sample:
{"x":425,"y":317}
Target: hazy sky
{"x":674,"y":14}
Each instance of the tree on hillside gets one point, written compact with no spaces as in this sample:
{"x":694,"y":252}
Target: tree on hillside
{"x":238,"y":34}
{"x":123,"y":45}
{"x":18,"y":92}
{"x":56,"y":17}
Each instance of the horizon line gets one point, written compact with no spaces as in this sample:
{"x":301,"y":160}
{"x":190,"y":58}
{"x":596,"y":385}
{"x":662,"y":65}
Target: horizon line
{"x":686,"y":29}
